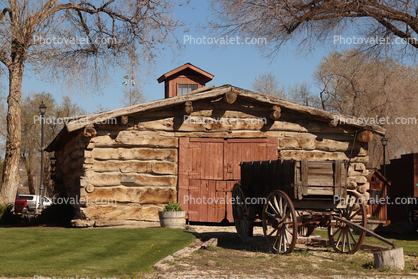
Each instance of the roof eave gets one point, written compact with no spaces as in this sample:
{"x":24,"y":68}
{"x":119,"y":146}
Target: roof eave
{"x":211,"y":92}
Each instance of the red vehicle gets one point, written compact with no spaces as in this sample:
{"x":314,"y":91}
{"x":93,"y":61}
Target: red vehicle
{"x":21,"y":206}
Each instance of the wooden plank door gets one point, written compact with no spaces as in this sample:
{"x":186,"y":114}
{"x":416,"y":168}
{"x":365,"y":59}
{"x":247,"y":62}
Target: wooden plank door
{"x":244,"y":150}
{"x":208,"y":170}
{"x":200,"y":167}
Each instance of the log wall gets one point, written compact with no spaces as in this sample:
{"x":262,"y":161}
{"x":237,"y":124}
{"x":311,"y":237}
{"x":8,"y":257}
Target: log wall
{"x":129,"y":170}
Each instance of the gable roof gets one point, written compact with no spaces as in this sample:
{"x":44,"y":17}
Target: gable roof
{"x":379,"y":175}
{"x":208,"y":93}
{"x":185,"y":67}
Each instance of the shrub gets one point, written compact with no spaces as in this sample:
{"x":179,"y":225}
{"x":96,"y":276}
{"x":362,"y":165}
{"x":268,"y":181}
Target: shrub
{"x":7,"y":217}
{"x":171,"y":206}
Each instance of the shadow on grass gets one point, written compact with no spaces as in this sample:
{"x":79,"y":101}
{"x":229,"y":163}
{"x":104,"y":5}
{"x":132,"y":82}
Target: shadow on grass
{"x":400,"y":237}
{"x":230,"y":240}
{"x":57,"y":215}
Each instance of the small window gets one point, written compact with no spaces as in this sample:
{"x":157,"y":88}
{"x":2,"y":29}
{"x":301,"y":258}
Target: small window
{"x":186,"y":88}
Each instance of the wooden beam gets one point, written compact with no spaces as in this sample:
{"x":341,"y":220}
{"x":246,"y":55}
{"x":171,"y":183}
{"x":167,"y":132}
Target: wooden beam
{"x":89,"y":131}
{"x":276,"y":112}
{"x":188,"y":108}
{"x":124,"y":120}
{"x":230,"y":97}
{"x":365,"y":136}
{"x":333,"y":123}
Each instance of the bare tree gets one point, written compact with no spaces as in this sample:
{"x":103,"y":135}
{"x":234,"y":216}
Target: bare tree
{"x":311,"y":21}
{"x":301,"y":93}
{"x":268,"y":84}
{"x":378,"y":90}
{"x":31,"y":132}
{"x":76,"y":41}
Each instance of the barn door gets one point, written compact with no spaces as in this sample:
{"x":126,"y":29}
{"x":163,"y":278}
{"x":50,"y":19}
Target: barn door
{"x":244,"y":150}
{"x":208,"y":170}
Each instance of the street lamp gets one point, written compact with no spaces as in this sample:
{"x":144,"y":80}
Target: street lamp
{"x":131,"y":80}
{"x":384,"y":141}
{"x":42,"y":110}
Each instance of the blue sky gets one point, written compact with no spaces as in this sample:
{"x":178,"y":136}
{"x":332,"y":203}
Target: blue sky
{"x":237,"y":65}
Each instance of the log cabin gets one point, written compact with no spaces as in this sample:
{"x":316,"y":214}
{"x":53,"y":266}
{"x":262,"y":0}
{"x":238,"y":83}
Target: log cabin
{"x":189,"y":145}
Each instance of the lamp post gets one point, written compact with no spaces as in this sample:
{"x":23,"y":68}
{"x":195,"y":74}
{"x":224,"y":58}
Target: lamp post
{"x":131,"y":80}
{"x":42,"y":110}
{"x":384,"y":141}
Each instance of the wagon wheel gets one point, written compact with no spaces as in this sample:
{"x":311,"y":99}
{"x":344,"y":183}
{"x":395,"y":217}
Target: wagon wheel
{"x":241,"y":212}
{"x":280,"y":223}
{"x":342,"y":236}
{"x":412,"y":214}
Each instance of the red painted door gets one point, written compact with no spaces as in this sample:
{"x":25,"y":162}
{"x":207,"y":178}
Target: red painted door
{"x":208,"y":170}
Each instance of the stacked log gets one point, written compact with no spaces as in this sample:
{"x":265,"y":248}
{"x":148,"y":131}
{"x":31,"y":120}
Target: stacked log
{"x":128,"y":176}
{"x":69,"y":164}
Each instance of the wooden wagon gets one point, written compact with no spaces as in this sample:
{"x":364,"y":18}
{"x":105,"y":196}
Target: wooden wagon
{"x":288,"y":194}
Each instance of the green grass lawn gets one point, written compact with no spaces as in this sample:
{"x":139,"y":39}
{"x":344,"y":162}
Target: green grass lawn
{"x":409,"y":242}
{"x":86,"y":252}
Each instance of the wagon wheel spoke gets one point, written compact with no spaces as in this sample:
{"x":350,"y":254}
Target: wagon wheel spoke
{"x":280,"y":228}
{"x":336,"y":231}
{"x":284,"y":241}
{"x":277,"y":238}
{"x":352,"y":237}
{"x":351,"y":217}
{"x":345,"y":238}
{"x":285,"y":234}
{"x":278,"y":207}
{"x":272,"y":207}
{"x":348,"y":240}
{"x":339,"y":238}
{"x":270,"y":215}
{"x":287,"y":215}
{"x":272,"y":232}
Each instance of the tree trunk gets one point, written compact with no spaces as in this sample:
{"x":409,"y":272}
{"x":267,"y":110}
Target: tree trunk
{"x":392,"y":259}
{"x":11,"y":177}
{"x":29,"y":173}
{"x":47,"y":177}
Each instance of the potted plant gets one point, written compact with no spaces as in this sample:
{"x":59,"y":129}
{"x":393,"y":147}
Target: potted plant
{"x":172,"y":216}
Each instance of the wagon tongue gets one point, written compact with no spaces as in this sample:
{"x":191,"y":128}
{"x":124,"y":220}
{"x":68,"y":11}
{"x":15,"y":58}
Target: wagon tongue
{"x":369,"y":232}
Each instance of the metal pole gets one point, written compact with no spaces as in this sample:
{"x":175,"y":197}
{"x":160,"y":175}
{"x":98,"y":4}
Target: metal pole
{"x":384,"y":169}
{"x":130,"y":90}
{"x":384,"y":161}
{"x":41,"y":187}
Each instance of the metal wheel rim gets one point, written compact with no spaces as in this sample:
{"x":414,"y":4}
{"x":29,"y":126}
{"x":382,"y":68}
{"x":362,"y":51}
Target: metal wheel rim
{"x":342,"y":237}
{"x":241,"y":225}
{"x":279,"y":223}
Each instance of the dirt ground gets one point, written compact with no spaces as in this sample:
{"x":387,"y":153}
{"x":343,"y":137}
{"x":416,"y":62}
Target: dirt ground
{"x":235,"y":259}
